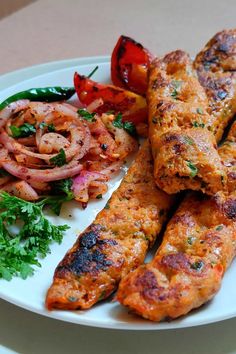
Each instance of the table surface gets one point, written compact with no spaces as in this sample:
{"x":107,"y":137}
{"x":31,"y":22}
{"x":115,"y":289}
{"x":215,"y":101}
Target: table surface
{"x":60,"y":29}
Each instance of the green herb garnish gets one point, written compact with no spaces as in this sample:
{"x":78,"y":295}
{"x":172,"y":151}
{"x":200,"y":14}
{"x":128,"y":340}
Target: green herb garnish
{"x":197,"y":265}
{"x":219,"y":228}
{"x":23,"y":130}
{"x":60,"y":159}
{"x":128,"y":126}
{"x":20,"y":251}
{"x":43,"y":125}
{"x":174,"y":94}
{"x":193,"y":168}
{"x":200,"y":110}
{"x":198,"y":125}
{"x":188,"y":140}
{"x":99,"y":196}
{"x":86,"y":115}
{"x":117,"y":122}
{"x":63,"y":186}
{"x":190,"y":240}
{"x":55,"y":202}
{"x":63,"y":193}
{"x":176,"y":84}
{"x":102,"y":295}
{"x":50,"y":127}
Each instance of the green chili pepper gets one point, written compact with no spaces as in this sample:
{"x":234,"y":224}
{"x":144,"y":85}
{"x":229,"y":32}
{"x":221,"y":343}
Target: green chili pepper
{"x":47,"y":94}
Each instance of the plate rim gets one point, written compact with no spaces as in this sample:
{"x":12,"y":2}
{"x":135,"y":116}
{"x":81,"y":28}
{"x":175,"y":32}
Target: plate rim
{"x":10,"y":79}
{"x":150,"y":326}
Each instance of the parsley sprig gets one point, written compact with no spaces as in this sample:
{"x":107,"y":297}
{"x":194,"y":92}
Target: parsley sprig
{"x":128,"y":126}
{"x":193,"y":169}
{"x":20,"y":251}
{"x":50,"y":127}
{"x":23,"y":130}
{"x":176,"y":84}
{"x":86,"y":115}
{"x":63,"y":186}
{"x":63,"y":193}
{"x":60,"y":159}
{"x":198,"y":125}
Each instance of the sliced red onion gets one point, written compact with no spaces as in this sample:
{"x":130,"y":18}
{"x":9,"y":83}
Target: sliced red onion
{"x":51,"y":142}
{"x":87,"y":139}
{"x":103,"y":138}
{"x":20,"y":189}
{"x":41,"y":186}
{"x":125,"y":143}
{"x":113,"y":168}
{"x":80,"y":186}
{"x":47,"y":175}
{"x":12,"y":108}
{"x":80,"y":142}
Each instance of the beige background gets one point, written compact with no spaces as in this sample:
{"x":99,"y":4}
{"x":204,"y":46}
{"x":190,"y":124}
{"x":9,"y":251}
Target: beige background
{"x":50,"y":30}
{"x":9,"y":6}
{"x":57,"y":29}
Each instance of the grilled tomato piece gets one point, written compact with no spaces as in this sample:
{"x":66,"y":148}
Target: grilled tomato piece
{"x":133,"y":107}
{"x":129,"y":63}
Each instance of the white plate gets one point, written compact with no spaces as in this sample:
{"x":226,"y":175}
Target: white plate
{"x":30,"y":293}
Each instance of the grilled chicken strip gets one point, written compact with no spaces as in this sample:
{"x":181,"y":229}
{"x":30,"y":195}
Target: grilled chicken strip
{"x":216,"y":69}
{"x":115,"y":243}
{"x":198,"y":246}
{"x":184,"y":149}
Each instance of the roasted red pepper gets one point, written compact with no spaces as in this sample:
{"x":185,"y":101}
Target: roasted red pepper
{"x":132,"y":106}
{"x":129,"y":63}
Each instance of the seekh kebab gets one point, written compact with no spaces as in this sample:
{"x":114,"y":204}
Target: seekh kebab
{"x":198,"y":246}
{"x":115,"y":243}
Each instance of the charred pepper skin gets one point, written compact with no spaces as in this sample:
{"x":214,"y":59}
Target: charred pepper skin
{"x":133,"y":107}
